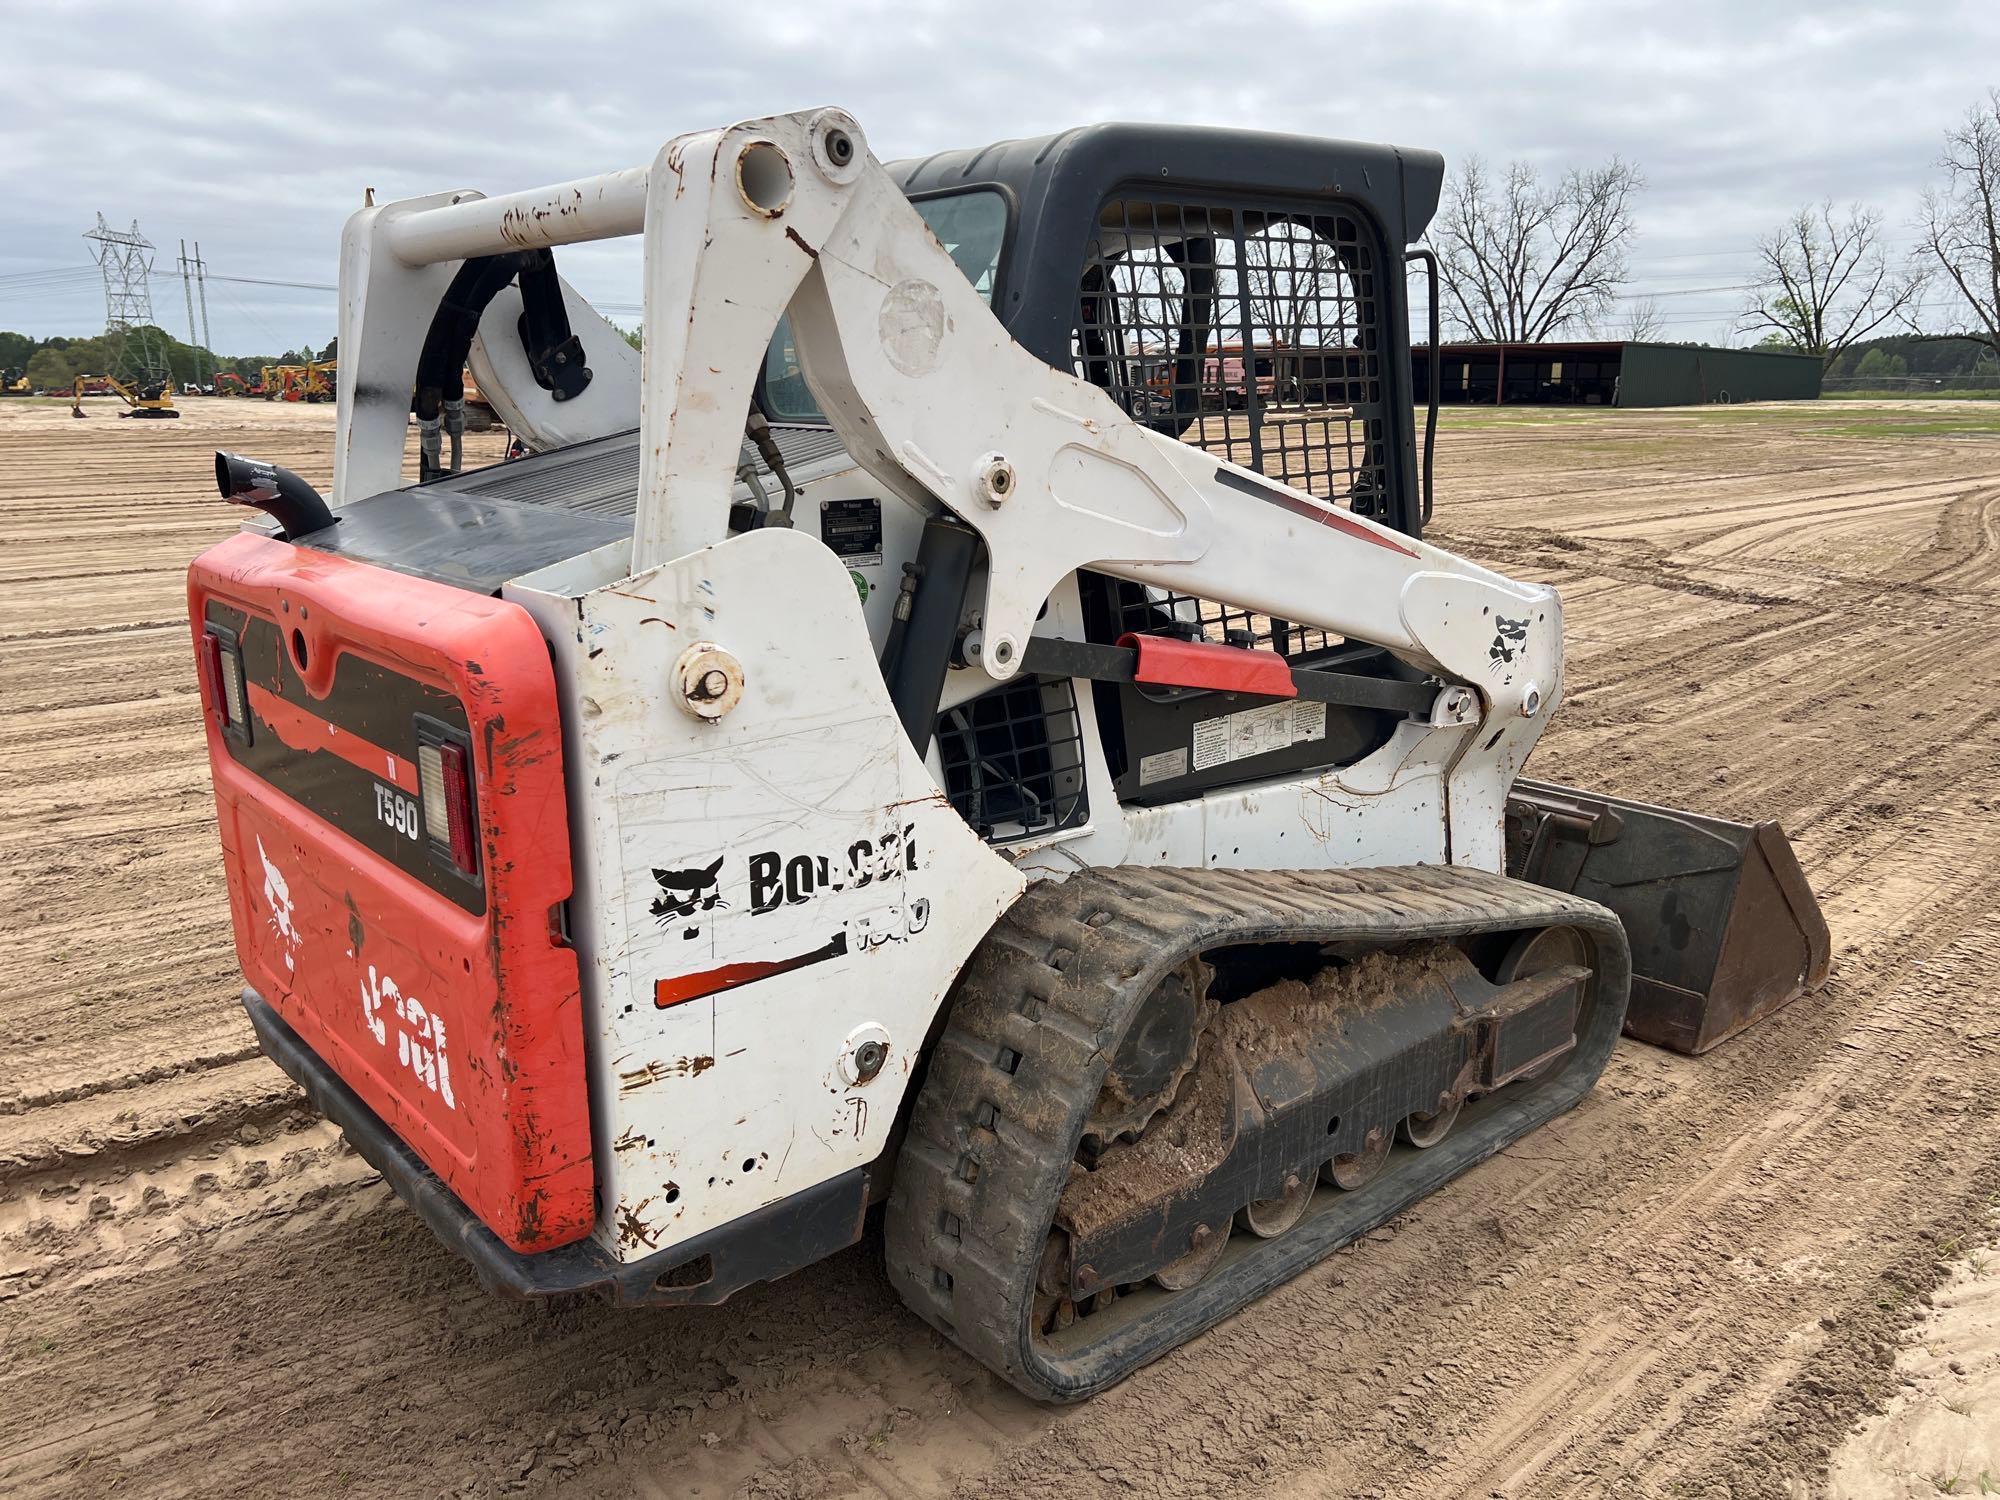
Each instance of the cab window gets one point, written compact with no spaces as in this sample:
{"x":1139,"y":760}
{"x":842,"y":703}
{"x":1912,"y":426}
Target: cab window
{"x":970,"y":226}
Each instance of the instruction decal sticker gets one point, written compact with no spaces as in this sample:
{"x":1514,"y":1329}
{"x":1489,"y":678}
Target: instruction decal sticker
{"x":1256,"y":731}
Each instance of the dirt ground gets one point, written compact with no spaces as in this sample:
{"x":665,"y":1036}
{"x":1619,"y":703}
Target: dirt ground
{"x":1692,"y":1285}
{"x":1940,"y":1433}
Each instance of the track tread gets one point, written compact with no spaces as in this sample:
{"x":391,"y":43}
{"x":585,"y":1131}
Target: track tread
{"x":1033,"y":1019}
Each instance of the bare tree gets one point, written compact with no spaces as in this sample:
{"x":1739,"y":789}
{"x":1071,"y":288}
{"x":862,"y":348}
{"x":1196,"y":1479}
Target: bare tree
{"x":1522,"y":260}
{"x":1642,"y":322}
{"x":1959,"y":224}
{"x":1824,"y":281}
{"x":1296,"y":283}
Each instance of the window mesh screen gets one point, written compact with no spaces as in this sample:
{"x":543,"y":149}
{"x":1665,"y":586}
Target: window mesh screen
{"x":1013,"y":760}
{"x":1252,"y":334}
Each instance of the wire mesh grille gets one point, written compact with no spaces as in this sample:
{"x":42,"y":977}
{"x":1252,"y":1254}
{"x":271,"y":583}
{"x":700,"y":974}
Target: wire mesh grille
{"x":1155,"y":611}
{"x":1256,"y":335}
{"x":1013,"y":760}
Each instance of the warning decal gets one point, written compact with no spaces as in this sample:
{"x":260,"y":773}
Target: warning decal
{"x":1164,"y":766}
{"x":1256,"y":731}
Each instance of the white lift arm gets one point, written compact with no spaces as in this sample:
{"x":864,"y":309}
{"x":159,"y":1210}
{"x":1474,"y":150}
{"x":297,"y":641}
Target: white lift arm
{"x":931,"y":395}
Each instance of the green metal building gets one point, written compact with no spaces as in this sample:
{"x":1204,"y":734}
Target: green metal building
{"x":1613,"y":374}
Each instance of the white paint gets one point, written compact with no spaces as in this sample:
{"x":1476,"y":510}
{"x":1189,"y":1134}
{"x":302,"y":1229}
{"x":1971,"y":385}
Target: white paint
{"x":699,"y":846}
{"x":740,"y":846}
{"x":421,"y":1048}
{"x":284,"y":919}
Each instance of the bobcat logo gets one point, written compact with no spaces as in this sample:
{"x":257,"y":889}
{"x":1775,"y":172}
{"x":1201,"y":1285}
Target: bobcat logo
{"x":685,"y":892}
{"x":1508,"y":638}
{"x":284,"y":921}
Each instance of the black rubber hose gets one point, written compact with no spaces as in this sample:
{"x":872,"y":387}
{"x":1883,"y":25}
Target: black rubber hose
{"x":441,"y":366}
{"x":295,"y":505}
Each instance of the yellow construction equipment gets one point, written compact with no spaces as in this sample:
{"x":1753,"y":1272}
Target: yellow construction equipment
{"x":152,"y":399}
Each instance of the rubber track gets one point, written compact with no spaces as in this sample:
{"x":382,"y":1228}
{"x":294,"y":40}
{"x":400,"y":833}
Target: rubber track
{"x":1035,"y":1016}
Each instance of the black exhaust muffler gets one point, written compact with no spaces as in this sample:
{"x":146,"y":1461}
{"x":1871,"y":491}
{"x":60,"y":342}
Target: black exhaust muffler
{"x":295,"y":505}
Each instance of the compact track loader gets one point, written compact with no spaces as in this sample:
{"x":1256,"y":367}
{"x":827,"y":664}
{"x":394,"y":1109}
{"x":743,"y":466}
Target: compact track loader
{"x":965,"y":721}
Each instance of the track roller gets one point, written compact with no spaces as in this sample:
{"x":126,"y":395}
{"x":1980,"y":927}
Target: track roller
{"x":1356,"y":1169}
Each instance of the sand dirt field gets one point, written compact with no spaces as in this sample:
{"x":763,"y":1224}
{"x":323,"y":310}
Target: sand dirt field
{"x":1693,"y":1285}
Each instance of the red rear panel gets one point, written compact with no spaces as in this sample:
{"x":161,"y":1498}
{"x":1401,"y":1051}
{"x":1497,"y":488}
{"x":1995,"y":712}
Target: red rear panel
{"x":447,"y":1000}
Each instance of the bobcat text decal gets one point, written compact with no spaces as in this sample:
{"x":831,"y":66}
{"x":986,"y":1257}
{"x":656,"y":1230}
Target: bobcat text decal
{"x":774,"y":879}
{"x":420,"y":1044}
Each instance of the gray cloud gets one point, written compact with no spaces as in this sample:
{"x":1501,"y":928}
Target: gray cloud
{"x":255,"y":128}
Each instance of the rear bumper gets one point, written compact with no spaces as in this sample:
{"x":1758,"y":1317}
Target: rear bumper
{"x":765,"y":1245}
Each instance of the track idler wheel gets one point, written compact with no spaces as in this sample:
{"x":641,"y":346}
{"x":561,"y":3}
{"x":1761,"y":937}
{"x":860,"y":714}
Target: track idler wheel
{"x":1356,"y":1169}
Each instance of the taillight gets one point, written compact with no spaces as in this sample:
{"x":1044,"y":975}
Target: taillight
{"x":444,"y":776}
{"x":221,"y":667}
{"x":208,"y":660}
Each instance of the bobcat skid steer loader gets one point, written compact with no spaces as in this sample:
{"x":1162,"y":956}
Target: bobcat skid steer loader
{"x":966,"y":720}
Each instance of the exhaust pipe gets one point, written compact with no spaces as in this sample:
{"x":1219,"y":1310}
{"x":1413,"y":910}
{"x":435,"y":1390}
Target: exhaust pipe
{"x":295,"y":505}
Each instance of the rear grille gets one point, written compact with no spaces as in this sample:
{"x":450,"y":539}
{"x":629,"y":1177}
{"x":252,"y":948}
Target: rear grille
{"x":1013,"y":760}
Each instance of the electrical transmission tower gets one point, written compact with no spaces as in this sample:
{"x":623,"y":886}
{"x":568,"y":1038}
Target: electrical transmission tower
{"x":126,"y":259}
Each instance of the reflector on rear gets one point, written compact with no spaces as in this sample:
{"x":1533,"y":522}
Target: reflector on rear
{"x":208,"y":660}
{"x":444,"y":779}
{"x":458,"y":806}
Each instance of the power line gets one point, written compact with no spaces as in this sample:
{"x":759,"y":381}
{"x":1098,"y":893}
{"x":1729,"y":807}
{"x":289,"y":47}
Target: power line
{"x":303,"y":286}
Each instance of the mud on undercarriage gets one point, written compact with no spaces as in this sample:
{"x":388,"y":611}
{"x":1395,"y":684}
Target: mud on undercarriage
{"x":1448,"y":1009}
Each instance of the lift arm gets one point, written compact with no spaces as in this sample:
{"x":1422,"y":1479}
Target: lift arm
{"x":933,"y":397}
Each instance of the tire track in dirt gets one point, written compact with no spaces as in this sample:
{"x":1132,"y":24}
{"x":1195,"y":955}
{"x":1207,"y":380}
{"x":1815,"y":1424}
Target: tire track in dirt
{"x":1627,"y":1297}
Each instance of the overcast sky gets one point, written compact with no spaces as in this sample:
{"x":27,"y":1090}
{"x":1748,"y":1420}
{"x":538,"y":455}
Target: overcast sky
{"x":254,"y":128}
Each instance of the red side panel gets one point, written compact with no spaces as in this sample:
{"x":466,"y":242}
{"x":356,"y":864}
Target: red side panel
{"x":1207,"y":664}
{"x":448,"y":1003}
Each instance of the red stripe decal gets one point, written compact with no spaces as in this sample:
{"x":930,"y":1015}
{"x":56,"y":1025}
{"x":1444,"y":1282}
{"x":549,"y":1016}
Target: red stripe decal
{"x":731,"y":976}
{"x":1354,"y":528}
{"x":301,"y":730}
{"x":1311,"y":510}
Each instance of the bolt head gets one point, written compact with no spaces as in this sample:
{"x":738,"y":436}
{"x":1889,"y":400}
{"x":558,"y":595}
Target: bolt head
{"x":868,"y":1059}
{"x":994,"y":479}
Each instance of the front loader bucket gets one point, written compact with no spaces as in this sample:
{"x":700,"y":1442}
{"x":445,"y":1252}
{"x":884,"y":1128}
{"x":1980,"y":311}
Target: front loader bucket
{"x":1723,"y":927}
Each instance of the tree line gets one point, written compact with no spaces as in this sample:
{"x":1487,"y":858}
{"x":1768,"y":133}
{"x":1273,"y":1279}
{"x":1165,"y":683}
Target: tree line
{"x":1523,"y":258}
{"x":54,"y":363}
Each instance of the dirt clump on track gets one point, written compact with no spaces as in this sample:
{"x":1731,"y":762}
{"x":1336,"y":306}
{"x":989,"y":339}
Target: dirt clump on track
{"x":1691,"y":1285}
